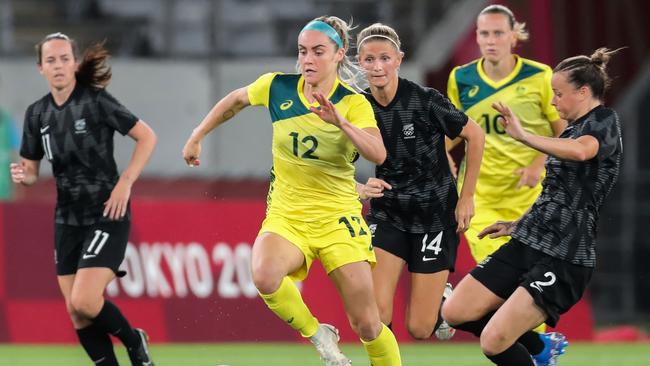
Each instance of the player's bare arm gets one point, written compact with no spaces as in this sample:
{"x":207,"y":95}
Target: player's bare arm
{"x":224,"y":110}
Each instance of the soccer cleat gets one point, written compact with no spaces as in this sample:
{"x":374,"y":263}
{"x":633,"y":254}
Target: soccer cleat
{"x":445,"y":331}
{"x":554,"y":344}
{"x":140,"y":356}
{"x":326,"y":341}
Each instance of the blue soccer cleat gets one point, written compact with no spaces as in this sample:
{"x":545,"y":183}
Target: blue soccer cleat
{"x":554,"y":344}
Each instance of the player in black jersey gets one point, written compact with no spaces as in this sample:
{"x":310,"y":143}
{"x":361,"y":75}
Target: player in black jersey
{"x":544,"y":269}
{"x":415,"y":215}
{"x":73,"y":127}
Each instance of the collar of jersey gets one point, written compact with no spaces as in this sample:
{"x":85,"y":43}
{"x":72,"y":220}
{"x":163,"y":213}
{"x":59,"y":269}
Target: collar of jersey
{"x":303,"y":99}
{"x":502,"y":82}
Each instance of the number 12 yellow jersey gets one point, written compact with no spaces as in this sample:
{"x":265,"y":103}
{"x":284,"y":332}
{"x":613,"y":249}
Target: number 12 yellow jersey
{"x":312,"y":178}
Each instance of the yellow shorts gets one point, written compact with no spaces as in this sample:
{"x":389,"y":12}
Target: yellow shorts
{"x":484,"y":217}
{"x":336,"y":242}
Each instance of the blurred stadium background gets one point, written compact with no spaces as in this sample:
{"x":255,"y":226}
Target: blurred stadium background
{"x":193,"y":228}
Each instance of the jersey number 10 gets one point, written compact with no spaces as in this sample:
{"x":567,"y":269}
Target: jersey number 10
{"x":494,"y":122}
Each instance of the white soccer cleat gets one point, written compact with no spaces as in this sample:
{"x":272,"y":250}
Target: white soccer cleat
{"x":326,"y":341}
{"x":444,"y":331}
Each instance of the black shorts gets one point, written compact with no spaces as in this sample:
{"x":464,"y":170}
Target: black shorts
{"x":99,"y":245}
{"x":555,"y":285}
{"x":424,"y":253}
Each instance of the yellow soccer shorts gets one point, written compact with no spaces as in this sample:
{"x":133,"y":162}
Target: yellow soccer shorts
{"x":335,"y":242}
{"x":484,"y":217}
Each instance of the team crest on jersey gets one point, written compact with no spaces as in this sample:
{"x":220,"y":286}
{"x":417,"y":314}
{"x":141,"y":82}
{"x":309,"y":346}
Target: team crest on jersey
{"x":409,"y":131}
{"x":80,"y":126}
{"x":373,"y":228}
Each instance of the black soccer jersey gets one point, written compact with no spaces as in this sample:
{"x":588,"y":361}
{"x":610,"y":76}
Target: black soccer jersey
{"x":77,"y":138}
{"x":413,"y":127}
{"x":562,"y":222}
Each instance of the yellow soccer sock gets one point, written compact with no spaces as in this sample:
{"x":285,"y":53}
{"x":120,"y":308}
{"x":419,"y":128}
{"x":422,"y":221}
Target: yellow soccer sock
{"x":541,"y":329}
{"x":287,"y":304}
{"x":383,"y":350}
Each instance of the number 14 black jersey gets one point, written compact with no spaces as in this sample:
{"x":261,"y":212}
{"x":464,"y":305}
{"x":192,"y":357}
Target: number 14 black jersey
{"x":77,"y":139}
{"x":413,"y":127}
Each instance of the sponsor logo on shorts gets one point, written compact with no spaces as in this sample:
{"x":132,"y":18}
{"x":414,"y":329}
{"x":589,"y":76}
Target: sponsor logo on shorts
{"x":539,"y":284}
{"x":484,"y":261}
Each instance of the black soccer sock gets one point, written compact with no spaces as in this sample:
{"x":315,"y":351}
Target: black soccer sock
{"x":532,"y":341}
{"x":111,"y":319}
{"x":516,"y":355}
{"x":475,"y":327}
{"x":98,"y":345}
{"x":439,"y":320}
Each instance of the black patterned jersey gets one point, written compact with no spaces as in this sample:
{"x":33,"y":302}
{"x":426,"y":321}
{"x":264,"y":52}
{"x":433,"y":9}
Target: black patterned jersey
{"x":77,"y":139}
{"x":413,"y":127}
{"x":563,"y":221}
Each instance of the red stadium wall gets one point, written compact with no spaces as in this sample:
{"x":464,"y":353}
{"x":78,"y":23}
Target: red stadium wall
{"x":189,"y":278}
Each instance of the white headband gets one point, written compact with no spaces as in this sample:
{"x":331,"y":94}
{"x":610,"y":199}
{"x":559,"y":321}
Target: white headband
{"x":377,"y":36}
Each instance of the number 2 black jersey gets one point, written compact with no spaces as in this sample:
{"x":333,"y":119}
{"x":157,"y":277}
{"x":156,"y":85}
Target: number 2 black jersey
{"x":413,"y":127}
{"x":77,"y":138}
{"x":562,"y":222}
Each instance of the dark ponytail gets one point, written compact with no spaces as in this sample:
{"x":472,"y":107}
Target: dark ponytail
{"x":94,"y":70}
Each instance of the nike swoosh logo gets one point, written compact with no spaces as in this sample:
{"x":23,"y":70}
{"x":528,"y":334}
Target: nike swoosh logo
{"x":45,"y":128}
{"x":86,"y":256}
{"x":100,"y":360}
{"x":426,"y":259}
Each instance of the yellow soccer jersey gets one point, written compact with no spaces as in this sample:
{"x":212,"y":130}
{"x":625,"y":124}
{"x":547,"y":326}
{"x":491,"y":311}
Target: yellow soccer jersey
{"x":313,"y":172}
{"x":527,"y":91}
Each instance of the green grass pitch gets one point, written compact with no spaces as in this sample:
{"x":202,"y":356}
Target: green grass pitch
{"x":276,"y":354}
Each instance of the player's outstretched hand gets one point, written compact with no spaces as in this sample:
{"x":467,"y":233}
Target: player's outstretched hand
{"x":510,"y":122}
{"x":374,"y":188}
{"x":191,"y":152}
{"x":498,"y":229}
{"x":327,"y":112}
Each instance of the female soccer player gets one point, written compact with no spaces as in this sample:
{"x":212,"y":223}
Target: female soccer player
{"x":543,"y":270}
{"x":320,"y":125}
{"x":510,"y":175}
{"x":73,"y":127}
{"x":415,"y":215}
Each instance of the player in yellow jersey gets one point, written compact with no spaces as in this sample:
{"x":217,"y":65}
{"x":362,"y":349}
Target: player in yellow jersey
{"x":320,"y":126}
{"x":510,"y":177}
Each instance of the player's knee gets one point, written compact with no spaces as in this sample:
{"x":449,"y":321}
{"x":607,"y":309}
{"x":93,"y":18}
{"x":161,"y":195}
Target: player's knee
{"x":84,"y":307}
{"x":452,"y":313}
{"x":493,"y":341}
{"x":366,"y":328}
{"x":266,"y":280}
{"x":420,"y":330}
